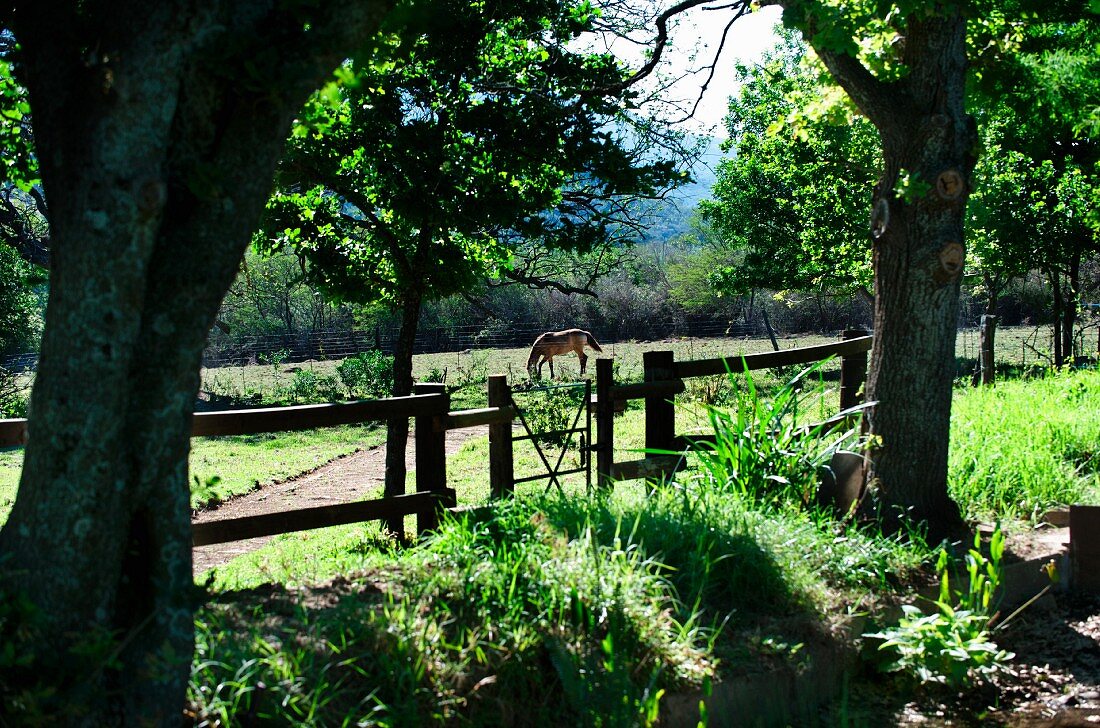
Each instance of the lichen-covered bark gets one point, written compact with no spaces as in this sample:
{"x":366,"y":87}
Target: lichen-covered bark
{"x":157,"y":140}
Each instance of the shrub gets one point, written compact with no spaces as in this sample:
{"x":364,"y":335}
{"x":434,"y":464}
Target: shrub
{"x":952,"y":646}
{"x":760,"y":451}
{"x":436,"y":375}
{"x":476,"y":371}
{"x":367,"y":375}
{"x":548,"y":411}
{"x":13,"y":395}
{"x":309,"y":387}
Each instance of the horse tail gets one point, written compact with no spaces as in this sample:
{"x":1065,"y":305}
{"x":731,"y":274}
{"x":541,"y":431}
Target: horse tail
{"x":592,"y":342}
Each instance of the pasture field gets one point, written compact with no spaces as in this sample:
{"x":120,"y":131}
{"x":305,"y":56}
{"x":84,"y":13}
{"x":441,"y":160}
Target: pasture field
{"x":465,"y":372}
{"x":581,"y":607}
{"x":239,"y":464}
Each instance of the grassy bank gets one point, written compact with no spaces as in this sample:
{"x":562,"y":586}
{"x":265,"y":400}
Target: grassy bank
{"x":548,"y":610}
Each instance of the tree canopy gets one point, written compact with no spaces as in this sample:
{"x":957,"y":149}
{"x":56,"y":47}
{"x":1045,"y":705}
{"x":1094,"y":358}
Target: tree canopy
{"x":428,"y":164}
{"x":792,"y":197}
{"x":466,"y":134}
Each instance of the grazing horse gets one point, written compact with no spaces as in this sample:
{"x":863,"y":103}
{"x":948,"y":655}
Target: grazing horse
{"x":552,"y":343}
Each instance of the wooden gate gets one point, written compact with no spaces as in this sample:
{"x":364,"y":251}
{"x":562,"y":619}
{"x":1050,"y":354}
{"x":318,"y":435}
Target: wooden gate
{"x":547,"y":439}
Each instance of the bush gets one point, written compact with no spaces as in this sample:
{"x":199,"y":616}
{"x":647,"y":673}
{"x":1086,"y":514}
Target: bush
{"x":761,"y":452}
{"x":310,"y":387}
{"x":13,"y":395}
{"x":20,"y":309}
{"x":952,"y":646}
{"x":367,"y":375}
{"x":552,"y":410}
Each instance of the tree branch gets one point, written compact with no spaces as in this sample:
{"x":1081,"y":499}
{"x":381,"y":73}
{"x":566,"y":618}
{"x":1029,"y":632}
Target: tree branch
{"x":879,"y":100}
{"x":741,"y":11}
{"x":539,"y":283}
{"x":660,"y":42}
{"x":33,"y":248}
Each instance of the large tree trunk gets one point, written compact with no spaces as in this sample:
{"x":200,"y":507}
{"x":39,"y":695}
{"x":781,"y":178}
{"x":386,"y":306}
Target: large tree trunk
{"x":918,"y":208}
{"x":397,"y":430}
{"x":157,"y":163}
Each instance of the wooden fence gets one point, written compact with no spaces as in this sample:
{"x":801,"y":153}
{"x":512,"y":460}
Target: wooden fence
{"x":664,"y":378}
{"x":429,"y":408}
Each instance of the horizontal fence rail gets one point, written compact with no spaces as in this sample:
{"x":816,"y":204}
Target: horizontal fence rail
{"x":476,"y":417}
{"x":307,"y":417}
{"x":302,"y":417}
{"x":770,"y":359}
{"x":430,"y":409}
{"x":304,"y":519}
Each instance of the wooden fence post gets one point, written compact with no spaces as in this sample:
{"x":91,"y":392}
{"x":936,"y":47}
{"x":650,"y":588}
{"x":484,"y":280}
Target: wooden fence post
{"x":501,"y":472}
{"x":853,"y":372}
{"x":660,"y":413}
{"x":605,"y":422}
{"x":431,"y":456}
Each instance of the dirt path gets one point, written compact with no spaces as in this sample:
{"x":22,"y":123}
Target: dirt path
{"x":348,"y":478}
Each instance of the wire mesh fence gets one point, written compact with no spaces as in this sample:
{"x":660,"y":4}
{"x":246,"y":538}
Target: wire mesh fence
{"x":1025,"y":347}
{"x":1016,"y":346}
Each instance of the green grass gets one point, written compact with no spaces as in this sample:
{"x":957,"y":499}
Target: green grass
{"x":554,"y":608}
{"x":569,"y":610}
{"x":579,"y":609}
{"x":11,"y":464}
{"x":1022,"y":447}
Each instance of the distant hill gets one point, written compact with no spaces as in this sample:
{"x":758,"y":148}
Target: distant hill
{"x":672,"y":217}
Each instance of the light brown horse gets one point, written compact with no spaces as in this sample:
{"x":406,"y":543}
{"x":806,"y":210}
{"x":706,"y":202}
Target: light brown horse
{"x":553,"y":343}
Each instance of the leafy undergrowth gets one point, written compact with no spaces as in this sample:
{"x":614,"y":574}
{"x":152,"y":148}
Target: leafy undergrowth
{"x":540,"y":611}
{"x":1025,"y":446}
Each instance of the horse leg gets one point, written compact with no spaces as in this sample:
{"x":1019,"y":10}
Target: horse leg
{"x":584,"y":360}
{"x":551,"y":360}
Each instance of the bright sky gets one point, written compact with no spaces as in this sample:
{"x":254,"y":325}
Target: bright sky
{"x":694,"y":37}
{"x":747,"y":41}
